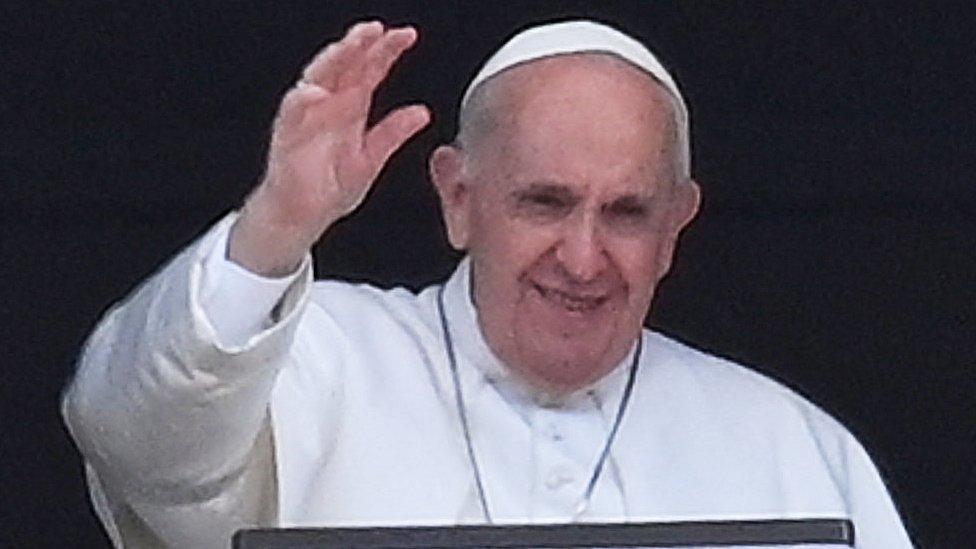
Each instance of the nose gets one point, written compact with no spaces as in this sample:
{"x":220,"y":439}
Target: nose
{"x":581,"y":252}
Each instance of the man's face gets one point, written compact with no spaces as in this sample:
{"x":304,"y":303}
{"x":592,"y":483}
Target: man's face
{"x":570,"y":212}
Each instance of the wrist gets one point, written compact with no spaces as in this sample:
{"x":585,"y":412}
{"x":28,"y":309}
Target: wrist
{"x":264,"y":248}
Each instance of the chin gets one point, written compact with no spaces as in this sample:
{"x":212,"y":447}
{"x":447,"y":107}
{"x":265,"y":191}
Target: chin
{"x":565,"y":365}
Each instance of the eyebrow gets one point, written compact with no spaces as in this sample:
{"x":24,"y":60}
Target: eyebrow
{"x":554,"y":190}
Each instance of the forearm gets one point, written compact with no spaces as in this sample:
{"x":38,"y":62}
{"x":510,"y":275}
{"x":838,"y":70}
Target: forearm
{"x":159,"y":403}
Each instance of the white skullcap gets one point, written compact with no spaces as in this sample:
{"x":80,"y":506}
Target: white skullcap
{"x":582,"y":36}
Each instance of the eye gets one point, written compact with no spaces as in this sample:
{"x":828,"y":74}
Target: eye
{"x":544,"y":204}
{"x":546,"y":200}
{"x":629,"y":207}
{"x":627,"y":214}
{"x":628,"y":210}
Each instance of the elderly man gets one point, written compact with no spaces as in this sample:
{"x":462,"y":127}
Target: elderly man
{"x":231,"y":391}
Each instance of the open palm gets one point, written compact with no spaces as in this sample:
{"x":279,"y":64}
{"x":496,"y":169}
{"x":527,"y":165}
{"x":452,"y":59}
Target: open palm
{"x":323,"y":158}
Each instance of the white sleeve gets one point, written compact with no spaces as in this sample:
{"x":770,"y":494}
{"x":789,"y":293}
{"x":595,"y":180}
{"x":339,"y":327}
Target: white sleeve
{"x":237,"y":302}
{"x":172,"y":420}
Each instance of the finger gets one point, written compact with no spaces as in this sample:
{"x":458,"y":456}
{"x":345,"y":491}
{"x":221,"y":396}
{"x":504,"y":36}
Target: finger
{"x":324,"y":68}
{"x":384,"y":53}
{"x":346,"y":55}
{"x":295,"y":104}
{"x":389,"y":134}
{"x":329,"y":65}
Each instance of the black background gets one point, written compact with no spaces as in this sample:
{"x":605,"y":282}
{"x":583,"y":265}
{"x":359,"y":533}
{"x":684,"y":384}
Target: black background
{"x":834,"y":249}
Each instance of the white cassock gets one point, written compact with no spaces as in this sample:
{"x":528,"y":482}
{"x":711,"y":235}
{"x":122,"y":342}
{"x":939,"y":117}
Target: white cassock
{"x":212,"y":399}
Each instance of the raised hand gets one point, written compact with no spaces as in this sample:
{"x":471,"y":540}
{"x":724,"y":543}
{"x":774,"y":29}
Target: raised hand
{"x":323,"y":159}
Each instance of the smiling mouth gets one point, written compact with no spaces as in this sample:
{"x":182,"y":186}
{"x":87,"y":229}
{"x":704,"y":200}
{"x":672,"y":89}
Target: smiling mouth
{"x":573,"y":302}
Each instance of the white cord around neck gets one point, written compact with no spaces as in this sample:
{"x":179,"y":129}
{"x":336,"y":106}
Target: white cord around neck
{"x":584,"y":502}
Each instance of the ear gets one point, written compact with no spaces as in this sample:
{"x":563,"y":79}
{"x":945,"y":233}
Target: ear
{"x":687,"y":200}
{"x":447,"y":171}
{"x":685,"y":203}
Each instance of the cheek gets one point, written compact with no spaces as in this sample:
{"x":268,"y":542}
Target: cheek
{"x":506,"y":245}
{"x":639,"y":263}
{"x":502,"y":253}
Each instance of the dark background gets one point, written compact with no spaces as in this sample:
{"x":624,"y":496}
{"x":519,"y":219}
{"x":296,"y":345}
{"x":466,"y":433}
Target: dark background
{"x":834,"y":249}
